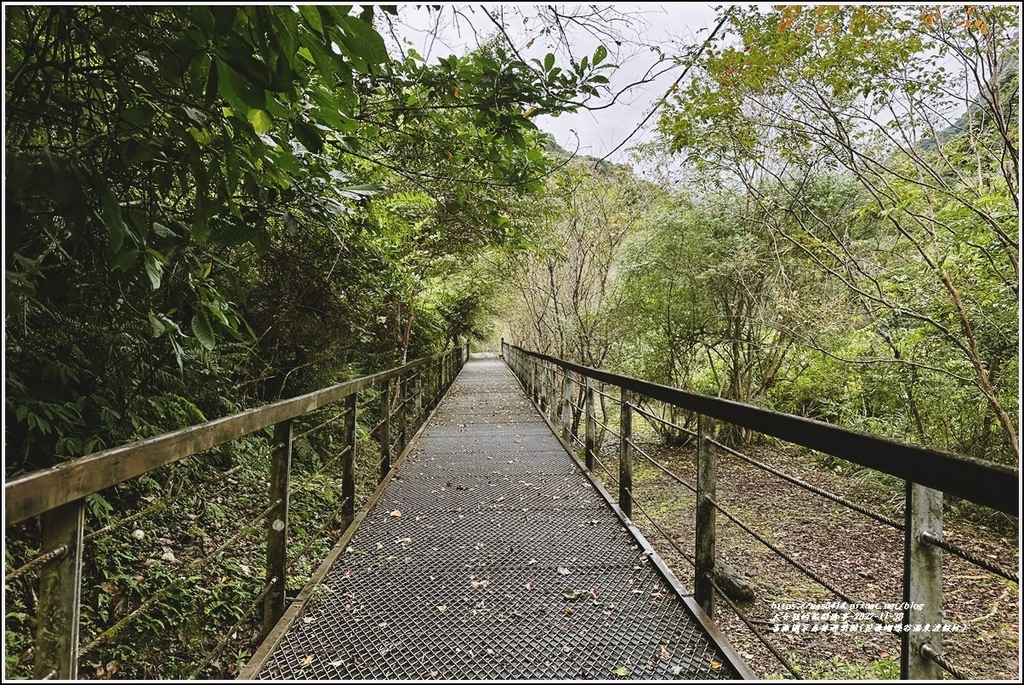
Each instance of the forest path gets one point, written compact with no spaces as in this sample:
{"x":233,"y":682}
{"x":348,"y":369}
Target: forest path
{"x":491,"y":554}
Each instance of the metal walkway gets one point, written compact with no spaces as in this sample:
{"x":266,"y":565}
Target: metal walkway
{"x":491,"y":555}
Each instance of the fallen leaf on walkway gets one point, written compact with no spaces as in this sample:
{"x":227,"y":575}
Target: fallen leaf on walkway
{"x":442,"y":608}
{"x":715,"y":665}
{"x":396,"y":512}
{"x":563,"y":571}
{"x":663,"y":653}
{"x":307,"y":661}
{"x":621,"y":670}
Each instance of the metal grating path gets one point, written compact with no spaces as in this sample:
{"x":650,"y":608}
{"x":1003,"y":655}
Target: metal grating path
{"x":490,"y":555}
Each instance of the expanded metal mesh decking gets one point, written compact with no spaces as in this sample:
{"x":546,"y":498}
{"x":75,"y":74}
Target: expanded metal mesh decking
{"x":491,"y":556}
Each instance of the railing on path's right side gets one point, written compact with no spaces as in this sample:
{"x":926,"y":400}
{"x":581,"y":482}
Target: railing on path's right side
{"x":553,"y":384}
{"x":391,"y":404}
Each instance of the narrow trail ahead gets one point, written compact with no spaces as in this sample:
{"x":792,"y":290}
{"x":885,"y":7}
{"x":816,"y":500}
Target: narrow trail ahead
{"x":491,"y":555}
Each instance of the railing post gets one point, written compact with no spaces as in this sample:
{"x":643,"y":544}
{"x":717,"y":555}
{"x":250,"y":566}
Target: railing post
{"x":277,"y":526}
{"x":403,"y":396}
{"x":385,"y":429}
{"x":555,"y":404}
{"x":60,"y":591}
{"x":418,"y":390}
{"x":566,"y":406}
{"x":704,"y":547}
{"x":543,"y":388}
{"x":552,"y":392}
{"x":348,"y":463}
{"x":922,"y":583}
{"x":590,"y":443}
{"x":534,"y":379}
{"x":625,"y":454}
{"x":435,"y":383}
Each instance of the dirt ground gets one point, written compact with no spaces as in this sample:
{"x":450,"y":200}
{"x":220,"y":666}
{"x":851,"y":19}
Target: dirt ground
{"x":856,"y":555}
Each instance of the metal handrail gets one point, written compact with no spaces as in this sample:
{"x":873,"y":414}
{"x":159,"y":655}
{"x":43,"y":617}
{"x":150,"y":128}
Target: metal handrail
{"x":46,"y":489}
{"x":986,"y":483}
{"x":57,"y":495}
{"x":928,"y":473}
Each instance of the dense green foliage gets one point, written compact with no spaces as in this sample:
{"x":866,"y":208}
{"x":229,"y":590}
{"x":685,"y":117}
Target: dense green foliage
{"x":843,"y":239}
{"x":212,"y":207}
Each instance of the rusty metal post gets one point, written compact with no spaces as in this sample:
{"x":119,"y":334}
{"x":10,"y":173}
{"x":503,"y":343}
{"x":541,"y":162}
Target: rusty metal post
{"x":543,"y":388}
{"x":704,"y":541}
{"x":277,"y":526}
{"x":403,"y":403}
{"x":438,"y":384}
{"x":922,"y":583}
{"x":418,"y":391}
{"x":60,"y":592}
{"x":553,"y":393}
{"x":385,"y":429}
{"x":625,"y":454}
{"x":348,"y":463}
{"x":590,"y":444}
{"x":566,"y":406}
{"x":534,"y":380}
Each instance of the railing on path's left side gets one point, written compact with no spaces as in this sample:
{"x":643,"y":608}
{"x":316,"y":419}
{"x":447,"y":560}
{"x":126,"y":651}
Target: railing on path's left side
{"x":57,"y":497}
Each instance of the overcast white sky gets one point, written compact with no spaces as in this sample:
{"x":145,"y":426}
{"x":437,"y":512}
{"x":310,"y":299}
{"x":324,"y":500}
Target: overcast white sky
{"x":457,"y":29}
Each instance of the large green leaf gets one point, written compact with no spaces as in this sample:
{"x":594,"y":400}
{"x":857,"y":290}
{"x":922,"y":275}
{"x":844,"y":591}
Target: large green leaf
{"x":363,"y":41}
{"x":312,"y":16}
{"x":203,"y":329}
{"x":308,"y":136}
{"x":260,"y":120}
{"x":240,"y":93}
{"x":112,"y":218}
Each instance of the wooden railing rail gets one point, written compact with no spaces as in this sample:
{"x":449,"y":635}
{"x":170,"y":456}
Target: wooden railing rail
{"x":57,"y":495}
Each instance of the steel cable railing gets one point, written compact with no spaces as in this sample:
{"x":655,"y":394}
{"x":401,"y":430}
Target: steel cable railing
{"x":958,"y":475}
